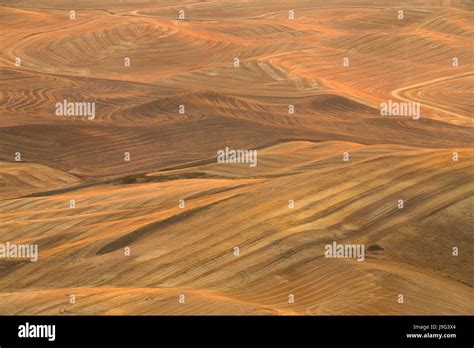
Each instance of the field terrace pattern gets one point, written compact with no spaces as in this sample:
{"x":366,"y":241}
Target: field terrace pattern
{"x":132,"y":211}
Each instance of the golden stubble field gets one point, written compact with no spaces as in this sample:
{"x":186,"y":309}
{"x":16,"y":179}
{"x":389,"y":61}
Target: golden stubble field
{"x":134,"y":206}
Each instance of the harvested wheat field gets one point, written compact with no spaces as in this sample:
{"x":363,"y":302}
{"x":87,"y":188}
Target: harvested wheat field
{"x":236,"y":158}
